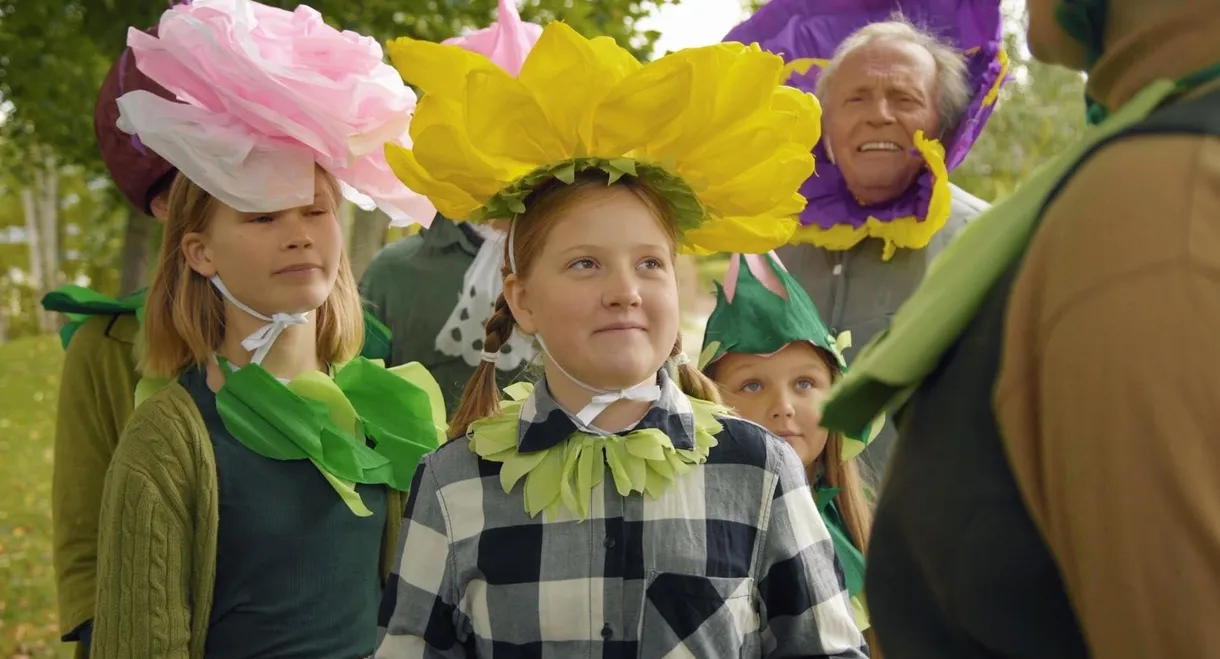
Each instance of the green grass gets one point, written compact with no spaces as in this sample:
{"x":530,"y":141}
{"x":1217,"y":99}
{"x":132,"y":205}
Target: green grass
{"x":29,"y":381}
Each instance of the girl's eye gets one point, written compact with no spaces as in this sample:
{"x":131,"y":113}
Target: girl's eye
{"x":751,"y":387}
{"x":318,"y":211}
{"x":652,"y":264}
{"x":582,"y":264}
{"x":263,"y":219}
{"x":805,"y":384}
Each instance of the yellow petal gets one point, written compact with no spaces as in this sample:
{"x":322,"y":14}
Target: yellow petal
{"x":644,"y":104}
{"x":764,"y":187}
{"x":569,"y":75}
{"x":800,"y":112}
{"x":452,"y":158}
{"x":746,"y":235}
{"x":615,"y":60}
{"x":435,"y":68}
{"x":732,"y":86}
{"x":450,"y":200}
{"x":505,"y":122}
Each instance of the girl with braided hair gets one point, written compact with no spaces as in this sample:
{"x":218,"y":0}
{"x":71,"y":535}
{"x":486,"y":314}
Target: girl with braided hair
{"x":615,"y":508}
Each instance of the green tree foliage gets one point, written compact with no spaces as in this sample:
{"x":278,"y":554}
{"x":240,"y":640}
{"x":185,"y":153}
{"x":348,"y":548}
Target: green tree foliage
{"x":54,"y":53}
{"x":1040,"y":112}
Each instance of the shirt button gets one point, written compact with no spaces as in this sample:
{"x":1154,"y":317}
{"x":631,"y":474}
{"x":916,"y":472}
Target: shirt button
{"x":607,"y":632}
{"x":608,"y":542}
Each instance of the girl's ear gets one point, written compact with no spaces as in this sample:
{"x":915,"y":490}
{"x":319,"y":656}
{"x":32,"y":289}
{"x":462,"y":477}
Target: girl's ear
{"x":198,"y":255}
{"x":518,"y":301}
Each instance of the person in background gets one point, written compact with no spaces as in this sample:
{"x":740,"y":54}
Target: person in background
{"x":1054,"y":489}
{"x":96,"y":394}
{"x":436,"y":290}
{"x":905,"y":95}
{"x":774,"y":361}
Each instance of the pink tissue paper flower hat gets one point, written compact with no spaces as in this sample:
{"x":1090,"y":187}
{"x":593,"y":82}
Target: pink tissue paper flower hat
{"x":266,"y":93}
{"x":506,"y":42}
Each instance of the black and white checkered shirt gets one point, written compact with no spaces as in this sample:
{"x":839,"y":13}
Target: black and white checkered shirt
{"x":732,"y":560}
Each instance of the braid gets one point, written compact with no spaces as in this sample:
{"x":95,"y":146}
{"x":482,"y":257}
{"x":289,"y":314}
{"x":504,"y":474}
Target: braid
{"x":499,"y":327}
{"x":481,"y":397}
{"x":692,"y":381}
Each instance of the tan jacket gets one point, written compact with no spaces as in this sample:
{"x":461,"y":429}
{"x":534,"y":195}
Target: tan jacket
{"x":1109,"y":397}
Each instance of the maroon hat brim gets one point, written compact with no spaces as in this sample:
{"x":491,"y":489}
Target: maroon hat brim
{"x":136,"y":170}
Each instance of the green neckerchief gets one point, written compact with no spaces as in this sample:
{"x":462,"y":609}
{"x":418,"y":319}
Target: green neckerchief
{"x":565,"y":474}
{"x":367,"y":425}
{"x":887,"y":371}
{"x":79,"y":303}
{"x":850,"y":557}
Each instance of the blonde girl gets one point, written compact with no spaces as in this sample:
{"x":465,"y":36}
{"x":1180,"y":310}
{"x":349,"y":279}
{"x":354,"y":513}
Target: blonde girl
{"x":774,"y":361}
{"x":252,"y":502}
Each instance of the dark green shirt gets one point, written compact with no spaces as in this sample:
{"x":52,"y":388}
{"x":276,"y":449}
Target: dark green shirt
{"x":412,"y":286}
{"x":297,"y":574}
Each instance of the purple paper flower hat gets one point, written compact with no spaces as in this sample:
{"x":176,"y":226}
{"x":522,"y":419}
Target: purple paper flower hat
{"x":806,"y":32}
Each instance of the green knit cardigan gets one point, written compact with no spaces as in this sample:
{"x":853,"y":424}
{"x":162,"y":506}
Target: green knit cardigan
{"x":157,"y":543}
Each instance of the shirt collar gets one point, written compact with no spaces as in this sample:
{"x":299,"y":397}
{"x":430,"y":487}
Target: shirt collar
{"x":1181,"y":42}
{"x":543,"y":423}
{"x":444,"y":234}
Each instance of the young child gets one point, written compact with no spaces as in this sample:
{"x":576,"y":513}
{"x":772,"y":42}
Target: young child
{"x":614,"y":509}
{"x":774,"y":360}
{"x":252,"y":498}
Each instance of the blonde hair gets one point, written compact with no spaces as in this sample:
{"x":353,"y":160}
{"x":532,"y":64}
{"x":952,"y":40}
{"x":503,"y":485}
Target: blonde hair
{"x":952,"y":79}
{"x":481,"y":397}
{"x":854,"y":505}
{"x":184,"y":320}
{"x":853,"y":501}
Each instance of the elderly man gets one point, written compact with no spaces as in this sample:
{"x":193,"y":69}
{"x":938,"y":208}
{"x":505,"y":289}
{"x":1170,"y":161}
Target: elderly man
{"x":901,"y":108}
{"x":1055,"y":490}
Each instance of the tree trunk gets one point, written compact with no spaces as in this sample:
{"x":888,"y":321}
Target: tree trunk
{"x":367,"y":238}
{"x":137,"y":249}
{"x":37,"y":271}
{"x":4,"y":303}
{"x":48,"y":216}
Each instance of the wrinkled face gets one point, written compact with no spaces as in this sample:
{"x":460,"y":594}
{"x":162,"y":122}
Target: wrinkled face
{"x":601,"y":293}
{"x":1047,"y":41}
{"x":282,"y":262}
{"x":782,"y":392}
{"x":880,"y":95}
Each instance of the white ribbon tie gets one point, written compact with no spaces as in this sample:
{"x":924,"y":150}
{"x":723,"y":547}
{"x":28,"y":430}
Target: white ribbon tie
{"x":259,"y":343}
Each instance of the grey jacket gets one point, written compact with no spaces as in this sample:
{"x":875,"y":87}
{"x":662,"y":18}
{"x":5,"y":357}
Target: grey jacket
{"x":855,"y":290}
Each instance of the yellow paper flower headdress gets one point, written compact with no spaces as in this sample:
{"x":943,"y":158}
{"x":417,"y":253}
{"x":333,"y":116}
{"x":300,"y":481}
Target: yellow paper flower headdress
{"x":712,"y":129}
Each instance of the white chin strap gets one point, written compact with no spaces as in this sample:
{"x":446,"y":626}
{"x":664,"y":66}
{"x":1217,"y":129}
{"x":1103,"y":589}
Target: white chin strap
{"x":648,"y":392}
{"x":260,"y":342}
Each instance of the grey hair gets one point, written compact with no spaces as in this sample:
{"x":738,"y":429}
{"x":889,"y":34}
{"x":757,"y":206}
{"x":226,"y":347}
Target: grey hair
{"x":951,"y":74}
